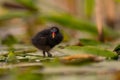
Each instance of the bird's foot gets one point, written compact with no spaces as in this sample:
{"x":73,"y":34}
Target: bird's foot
{"x":44,"y":54}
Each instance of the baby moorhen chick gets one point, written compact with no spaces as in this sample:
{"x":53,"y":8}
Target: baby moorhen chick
{"x":47,"y":39}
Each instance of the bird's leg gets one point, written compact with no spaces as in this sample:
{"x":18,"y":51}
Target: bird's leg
{"x":49,"y":55}
{"x":44,"y":54}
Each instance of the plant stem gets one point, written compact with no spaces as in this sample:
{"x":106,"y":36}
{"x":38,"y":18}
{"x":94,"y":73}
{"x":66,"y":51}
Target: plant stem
{"x":99,"y":20}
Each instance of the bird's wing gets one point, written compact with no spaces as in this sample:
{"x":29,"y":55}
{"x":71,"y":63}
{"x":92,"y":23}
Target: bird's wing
{"x":42,"y":40}
{"x":39,"y":41}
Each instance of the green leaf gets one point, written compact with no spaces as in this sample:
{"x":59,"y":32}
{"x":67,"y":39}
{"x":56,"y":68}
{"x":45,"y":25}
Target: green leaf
{"x":51,"y":62}
{"x":89,"y":7}
{"x":30,"y":4}
{"x":72,"y":22}
{"x":10,"y":15}
{"x":92,"y":50}
{"x":2,"y":58}
{"x":11,"y":57}
{"x":28,"y":72}
{"x":9,"y":40}
{"x":87,"y":42}
{"x":75,"y":23}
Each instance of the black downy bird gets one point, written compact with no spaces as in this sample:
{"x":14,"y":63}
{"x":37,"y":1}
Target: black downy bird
{"x":47,"y":39}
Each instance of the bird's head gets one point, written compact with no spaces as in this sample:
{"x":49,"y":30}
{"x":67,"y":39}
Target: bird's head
{"x":54,"y":31}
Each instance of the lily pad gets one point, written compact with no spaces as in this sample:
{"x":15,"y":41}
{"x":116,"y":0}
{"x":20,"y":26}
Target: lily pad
{"x":91,"y":50}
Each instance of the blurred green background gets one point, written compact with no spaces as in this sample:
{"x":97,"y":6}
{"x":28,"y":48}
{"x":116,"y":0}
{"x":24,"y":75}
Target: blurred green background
{"x":90,"y":28}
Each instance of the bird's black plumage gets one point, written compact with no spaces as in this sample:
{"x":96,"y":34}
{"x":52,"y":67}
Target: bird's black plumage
{"x":45,"y":41}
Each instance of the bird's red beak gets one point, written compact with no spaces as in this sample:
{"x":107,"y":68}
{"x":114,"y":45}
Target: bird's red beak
{"x":53,"y":34}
